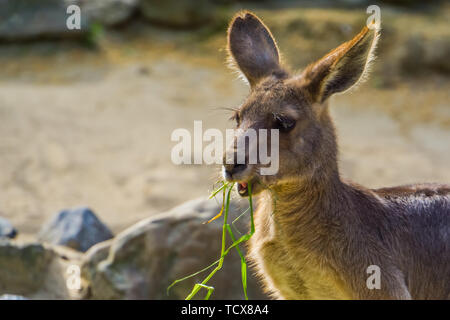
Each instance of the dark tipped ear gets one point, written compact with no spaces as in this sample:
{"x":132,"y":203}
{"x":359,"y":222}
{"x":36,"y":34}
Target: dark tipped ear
{"x":342,"y":68}
{"x":252,"y":47}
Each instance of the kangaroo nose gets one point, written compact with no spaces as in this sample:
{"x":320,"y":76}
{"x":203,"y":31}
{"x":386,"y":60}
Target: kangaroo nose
{"x":232,"y":169}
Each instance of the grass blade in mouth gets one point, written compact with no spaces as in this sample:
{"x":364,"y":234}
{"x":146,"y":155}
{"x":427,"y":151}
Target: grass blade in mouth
{"x":226,"y":188}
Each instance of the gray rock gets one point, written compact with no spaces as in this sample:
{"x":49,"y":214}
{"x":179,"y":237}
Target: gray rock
{"x":177,"y":13}
{"x":438,"y":51}
{"x":12,"y":297}
{"x":142,"y":261}
{"x":36,"y":271}
{"x":22,"y":267}
{"x":24,"y":19}
{"x":422,"y":54}
{"x":32,"y":18}
{"x":78,"y":229}
{"x":412,"y":55}
{"x":109,"y":12}
{"x":6,"y":229}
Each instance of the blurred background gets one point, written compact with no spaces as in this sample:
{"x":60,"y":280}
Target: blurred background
{"x":86,"y":115}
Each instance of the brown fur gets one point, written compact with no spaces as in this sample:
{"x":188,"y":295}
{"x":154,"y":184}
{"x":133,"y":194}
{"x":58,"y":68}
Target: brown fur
{"x":315,"y":233}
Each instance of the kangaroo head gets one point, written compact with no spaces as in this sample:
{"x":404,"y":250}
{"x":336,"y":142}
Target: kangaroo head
{"x":295,"y":104}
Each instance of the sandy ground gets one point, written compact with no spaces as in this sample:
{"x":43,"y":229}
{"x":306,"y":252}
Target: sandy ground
{"x":97,"y":133}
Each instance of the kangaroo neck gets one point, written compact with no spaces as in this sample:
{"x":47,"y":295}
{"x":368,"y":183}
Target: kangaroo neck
{"x":311,"y":209}
{"x":302,"y":194}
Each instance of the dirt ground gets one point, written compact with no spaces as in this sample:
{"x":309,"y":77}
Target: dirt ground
{"x":93,"y":128}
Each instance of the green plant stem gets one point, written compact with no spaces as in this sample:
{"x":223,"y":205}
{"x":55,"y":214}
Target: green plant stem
{"x":197,"y":287}
{"x":243,"y":263}
{"x":226,"y":228}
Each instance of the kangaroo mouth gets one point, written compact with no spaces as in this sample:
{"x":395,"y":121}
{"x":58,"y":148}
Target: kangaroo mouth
{"x":242,"y":188}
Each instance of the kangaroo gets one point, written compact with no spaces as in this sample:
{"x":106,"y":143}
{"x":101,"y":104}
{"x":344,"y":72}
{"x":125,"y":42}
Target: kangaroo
{"x":317,"y":236}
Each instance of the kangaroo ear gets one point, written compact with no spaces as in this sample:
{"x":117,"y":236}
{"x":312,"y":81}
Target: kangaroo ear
{"x":252,"y":47}
{"x":343,"y":67}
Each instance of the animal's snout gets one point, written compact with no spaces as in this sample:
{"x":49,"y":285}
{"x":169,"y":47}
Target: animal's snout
{"x":231,"y":170}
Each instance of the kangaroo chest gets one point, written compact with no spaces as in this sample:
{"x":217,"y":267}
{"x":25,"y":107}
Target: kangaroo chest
{"x":292,"y":272}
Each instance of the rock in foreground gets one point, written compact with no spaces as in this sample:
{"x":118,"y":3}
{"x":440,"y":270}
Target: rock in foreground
{"x":142,"y":261}
{"x":35,"y":271}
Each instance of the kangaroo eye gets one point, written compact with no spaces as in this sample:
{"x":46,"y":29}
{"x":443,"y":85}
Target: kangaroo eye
{"x":284,"y":124}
